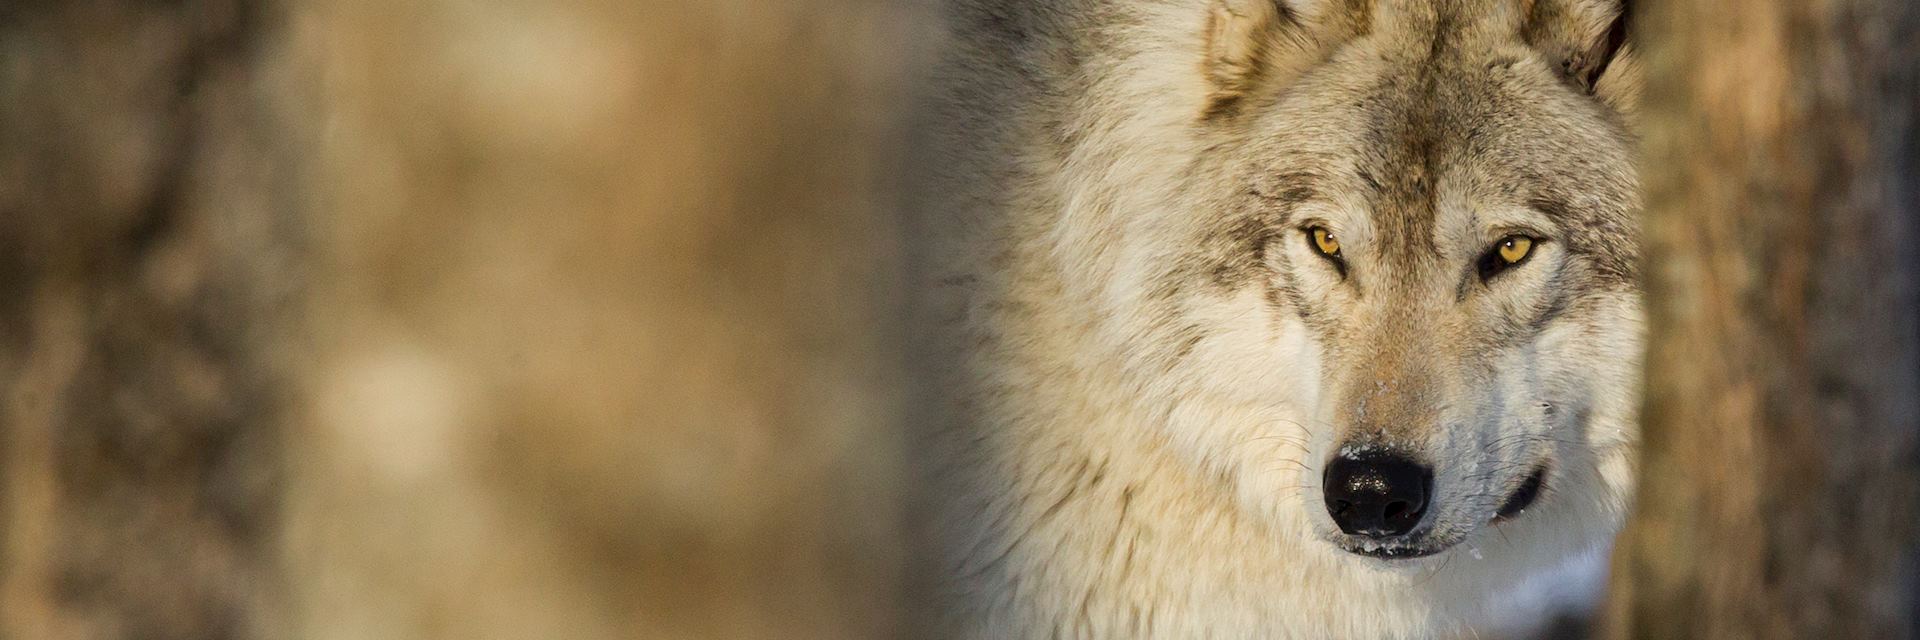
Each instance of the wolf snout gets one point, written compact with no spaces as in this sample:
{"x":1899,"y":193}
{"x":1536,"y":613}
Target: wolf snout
{"x":1376,"y":493}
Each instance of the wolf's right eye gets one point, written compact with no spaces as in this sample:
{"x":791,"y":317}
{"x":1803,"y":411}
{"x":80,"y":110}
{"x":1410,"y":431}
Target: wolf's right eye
{"x":1328,"y":247}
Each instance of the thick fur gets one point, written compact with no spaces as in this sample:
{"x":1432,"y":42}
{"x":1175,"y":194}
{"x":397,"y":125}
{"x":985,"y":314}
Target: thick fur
{"x":1153,"y":366}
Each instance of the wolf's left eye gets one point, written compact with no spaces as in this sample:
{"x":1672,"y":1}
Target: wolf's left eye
{"x":1509,"y":252}
{"x":1324,"y":242}
{"x":1513,"y":249}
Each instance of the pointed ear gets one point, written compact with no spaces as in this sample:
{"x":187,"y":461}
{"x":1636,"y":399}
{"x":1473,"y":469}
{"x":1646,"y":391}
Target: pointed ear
{"x":1587,"y":40}
{"x":1242,"y":40}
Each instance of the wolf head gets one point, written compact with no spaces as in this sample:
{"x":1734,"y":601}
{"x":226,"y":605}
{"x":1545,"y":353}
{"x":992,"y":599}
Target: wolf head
{"x":1400,"y":311}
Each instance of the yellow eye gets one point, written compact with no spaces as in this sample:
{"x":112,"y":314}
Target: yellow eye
{"x":1324,"y":242}
{"x":1515,"y":248}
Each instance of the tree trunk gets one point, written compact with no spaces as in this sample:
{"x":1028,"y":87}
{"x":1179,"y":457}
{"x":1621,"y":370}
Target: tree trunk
{"x":451,"y":319}
{"x":1778,"y":494}
{"x":145,"y":253}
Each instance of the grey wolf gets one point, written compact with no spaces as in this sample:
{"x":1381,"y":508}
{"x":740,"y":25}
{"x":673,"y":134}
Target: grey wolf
{"x":1281,"y":318}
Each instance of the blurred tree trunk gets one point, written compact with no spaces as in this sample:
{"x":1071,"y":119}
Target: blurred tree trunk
{"x":146,"y":243}
{"x":1779,"y":471}
{"x":604,"y":307}
{"x":451,"y":319}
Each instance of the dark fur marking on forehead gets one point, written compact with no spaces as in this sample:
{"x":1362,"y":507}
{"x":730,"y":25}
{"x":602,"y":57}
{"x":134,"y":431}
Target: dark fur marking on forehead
{"x":1287,"y":189}
{"x":1292,"y":195}
{"x":1407,"y":149}
{"x":1555,"y":208}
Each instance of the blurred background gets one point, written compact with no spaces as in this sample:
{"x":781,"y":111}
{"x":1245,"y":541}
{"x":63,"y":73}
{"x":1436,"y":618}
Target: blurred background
{"x":517,"y":319}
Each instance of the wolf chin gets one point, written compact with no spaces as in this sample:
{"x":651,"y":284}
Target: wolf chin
{"x":1280,"y":318}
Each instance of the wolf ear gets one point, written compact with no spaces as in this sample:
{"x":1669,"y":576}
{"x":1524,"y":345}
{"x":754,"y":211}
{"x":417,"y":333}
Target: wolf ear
{"x":1586,"y":39}
{"x":1243,"y":38}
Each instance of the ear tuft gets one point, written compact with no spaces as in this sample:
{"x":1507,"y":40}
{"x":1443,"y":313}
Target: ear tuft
{"x":1591,"y":64}
{"x":1240,"y":37}
{"x":1584,"y":37}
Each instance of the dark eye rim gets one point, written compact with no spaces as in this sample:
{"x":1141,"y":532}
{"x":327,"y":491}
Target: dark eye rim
{"x":1491,"y":265}
{"x":1339,"y":261}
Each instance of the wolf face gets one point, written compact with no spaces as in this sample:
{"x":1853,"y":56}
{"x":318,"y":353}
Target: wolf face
{"x":1428,"y":228}
{"x":1269,"y":304}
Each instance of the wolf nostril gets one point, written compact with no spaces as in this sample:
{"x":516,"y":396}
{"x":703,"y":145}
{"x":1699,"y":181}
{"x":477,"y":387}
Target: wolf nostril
{"x":1377,"y":494}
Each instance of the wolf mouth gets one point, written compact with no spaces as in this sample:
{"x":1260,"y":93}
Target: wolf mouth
{"x":1391,"y":552}
{"x":1522,"y":497}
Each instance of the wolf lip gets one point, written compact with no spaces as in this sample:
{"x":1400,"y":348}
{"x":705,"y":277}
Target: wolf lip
{"x":1390,"y":553}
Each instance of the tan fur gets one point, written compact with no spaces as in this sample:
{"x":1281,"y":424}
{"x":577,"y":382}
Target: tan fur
{"x":1154,"y":367}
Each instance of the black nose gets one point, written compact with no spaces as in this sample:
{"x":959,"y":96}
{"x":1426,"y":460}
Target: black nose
{"x":1376,"y":493}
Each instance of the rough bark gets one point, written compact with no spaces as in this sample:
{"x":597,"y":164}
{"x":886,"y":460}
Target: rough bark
{"x":1779,"y":485}
{"x":145,"y":252}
